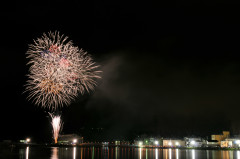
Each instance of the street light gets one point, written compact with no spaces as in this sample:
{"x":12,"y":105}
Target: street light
{"x":28,"y":140}
{"x":74,"y":141}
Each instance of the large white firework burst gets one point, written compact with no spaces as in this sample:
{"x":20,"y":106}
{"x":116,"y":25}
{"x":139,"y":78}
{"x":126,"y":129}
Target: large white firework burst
{"x":58,"y":71}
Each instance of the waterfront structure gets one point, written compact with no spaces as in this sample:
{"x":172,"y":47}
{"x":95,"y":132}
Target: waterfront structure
{"x":173,"y":143}
{"x":212,"y":143}
{"x":231,"y":142}
{"x":70,"y":139}
{"x":148,"y":142}
{"x":194,"y":142}
{"x":226,"y":144}
{"x":221,"y":137}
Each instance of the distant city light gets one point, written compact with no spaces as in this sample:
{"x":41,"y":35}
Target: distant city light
{"x":177,"y":143}
{"x":156,"y":142}
{"x":140,"y":143}
{"x":170,"y":144}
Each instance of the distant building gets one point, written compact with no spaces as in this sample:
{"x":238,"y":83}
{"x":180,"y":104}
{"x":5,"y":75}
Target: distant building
{"x":221,"y":137}
{"x":69,"y":139}
{"x":145,"y":142}
{"x":231,"y":142}
{"x":226,"y":143}
{"x":194,"y":142}
{"x":173,"y":143}
{"x":212,"y":143}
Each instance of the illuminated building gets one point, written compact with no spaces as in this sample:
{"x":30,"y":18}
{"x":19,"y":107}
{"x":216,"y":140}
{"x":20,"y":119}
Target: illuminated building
{"x":69,"y":139}
{"x":194,"y":142}
{"x":221,"y":137}
{"x":173,"y":143}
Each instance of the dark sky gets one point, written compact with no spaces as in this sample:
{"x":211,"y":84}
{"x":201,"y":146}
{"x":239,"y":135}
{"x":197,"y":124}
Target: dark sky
{"x":169,"y":69}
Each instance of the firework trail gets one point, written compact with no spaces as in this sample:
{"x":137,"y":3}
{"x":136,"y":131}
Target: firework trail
{"x":58,"y":71}
{"x":56,"y":125}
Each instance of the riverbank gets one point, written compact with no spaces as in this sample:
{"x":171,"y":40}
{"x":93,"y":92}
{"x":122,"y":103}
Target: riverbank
{"x":87,"y":145}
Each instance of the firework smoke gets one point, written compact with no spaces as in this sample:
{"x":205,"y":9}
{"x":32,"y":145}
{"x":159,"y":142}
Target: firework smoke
{"x":56,"y":125}
{"x":58,"y":71}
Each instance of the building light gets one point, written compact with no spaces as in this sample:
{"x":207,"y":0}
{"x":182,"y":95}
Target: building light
{"x":237,"y":141}
{"x":74,"y":141}
{"x":193,"y":142}
{"x":28,"y":140}
{"x":156,"y":142}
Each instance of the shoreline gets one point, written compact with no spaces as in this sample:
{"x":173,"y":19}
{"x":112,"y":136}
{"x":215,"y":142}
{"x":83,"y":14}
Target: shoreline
{"x":14,"y":145}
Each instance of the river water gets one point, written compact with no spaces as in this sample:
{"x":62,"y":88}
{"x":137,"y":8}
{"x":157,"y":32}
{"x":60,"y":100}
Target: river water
{"x":114,"y":153}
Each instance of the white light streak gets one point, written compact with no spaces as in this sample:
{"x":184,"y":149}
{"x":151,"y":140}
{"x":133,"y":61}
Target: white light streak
{"x":57,"y":125}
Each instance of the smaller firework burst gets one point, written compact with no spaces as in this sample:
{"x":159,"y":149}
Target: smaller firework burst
{"x":57,"y":125}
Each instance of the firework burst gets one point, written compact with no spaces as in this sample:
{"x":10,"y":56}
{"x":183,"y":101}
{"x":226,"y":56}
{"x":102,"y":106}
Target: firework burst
{"x":56,"y":125}
{"x":58,"y":71}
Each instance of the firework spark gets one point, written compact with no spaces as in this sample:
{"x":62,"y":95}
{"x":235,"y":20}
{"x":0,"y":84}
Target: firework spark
{"x":58,"y":71}
{"x":56,"y":125}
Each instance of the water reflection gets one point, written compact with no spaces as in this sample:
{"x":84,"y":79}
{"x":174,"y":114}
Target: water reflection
{"x":238,"y":154}
{"x":193,"y":154}
{"x":156,"y":153}
{"x":177,"y":155}
{"x":140,"y":153}
{"x":124,"y":153}
{"x":116,"y":152}
{"x":93,"y":152}
{"x":21,"y":154}
{"x":231,"y":154}
{"x":54,"y":153}
{"x":146,"y":153}
{"x":74,"y":153}
{"x":81,"y":153}
{"x":170,"y":153}
{"x":27,"y":152}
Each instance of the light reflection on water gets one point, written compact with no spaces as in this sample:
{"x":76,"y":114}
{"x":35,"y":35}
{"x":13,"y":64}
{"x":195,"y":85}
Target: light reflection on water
{"x":54,"y":153}
{"x":27,"y":152}
{"x":124,"y":153}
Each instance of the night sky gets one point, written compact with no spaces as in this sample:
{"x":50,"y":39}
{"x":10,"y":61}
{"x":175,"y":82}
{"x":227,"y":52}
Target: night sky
{"x":169,"y":69}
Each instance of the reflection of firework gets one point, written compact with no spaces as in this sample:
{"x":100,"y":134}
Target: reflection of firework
{"x":54,"y":153}
{"x":58,"y":71}
{"x":57,"y":125}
